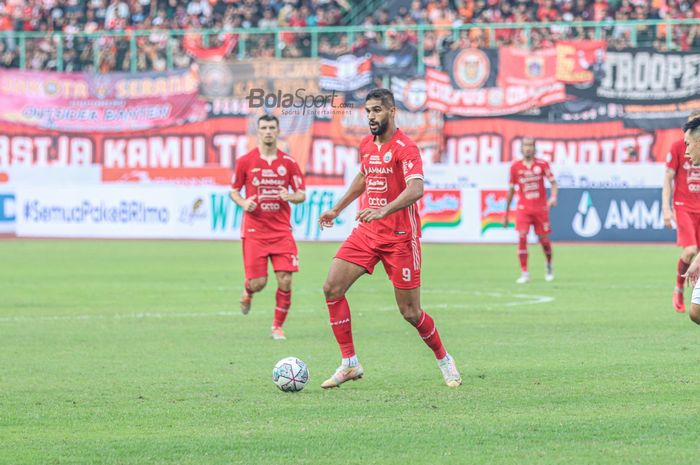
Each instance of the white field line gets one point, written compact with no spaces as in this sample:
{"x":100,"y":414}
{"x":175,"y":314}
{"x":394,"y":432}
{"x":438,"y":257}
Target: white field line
{"x":522,"y":299}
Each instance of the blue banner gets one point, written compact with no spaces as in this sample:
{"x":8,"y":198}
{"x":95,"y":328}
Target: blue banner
{"x":625,"y":215}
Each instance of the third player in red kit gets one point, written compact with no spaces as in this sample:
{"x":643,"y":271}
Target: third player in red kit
{"x":391,"y":179}
{"x":686,"y":210}
{"x":267,"y":174}
{"x":528,"y":176}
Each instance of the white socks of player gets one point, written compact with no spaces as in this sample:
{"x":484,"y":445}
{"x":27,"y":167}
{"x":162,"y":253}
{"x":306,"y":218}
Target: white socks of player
{"x":350,"y":362}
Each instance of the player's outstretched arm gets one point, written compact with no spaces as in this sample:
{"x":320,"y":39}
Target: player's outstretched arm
{"x":666,"y":198}
{"x":357,"y":187}
{"x":409,"y":196}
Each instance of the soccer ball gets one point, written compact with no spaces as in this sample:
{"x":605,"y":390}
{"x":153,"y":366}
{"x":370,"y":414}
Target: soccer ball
{"x":290,"y":374}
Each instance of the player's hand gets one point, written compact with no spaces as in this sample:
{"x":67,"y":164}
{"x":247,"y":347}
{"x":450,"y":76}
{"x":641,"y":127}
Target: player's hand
{"x":326,"y":219}
{"x":370,"y":214}
{"x":552,"y":202}
{"x":249,"y":205}
{"x":693,"y":273}
{"x":668,"y":218}
{"x":284,"y":194}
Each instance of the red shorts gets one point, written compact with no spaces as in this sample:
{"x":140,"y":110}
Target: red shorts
{"x":688,"y":228}
{"x":282,"y":252}
{"x":401,"y":260}
{"x":540,"y":219}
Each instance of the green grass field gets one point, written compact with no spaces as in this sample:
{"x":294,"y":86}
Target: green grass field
{"x":136,"y":353}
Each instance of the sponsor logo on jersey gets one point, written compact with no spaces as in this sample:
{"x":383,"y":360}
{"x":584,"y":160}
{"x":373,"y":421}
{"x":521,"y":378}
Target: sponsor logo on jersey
{"x":255,"y":170}
{"x":268,"y":193}
{"x":268,"y":173}
{"x":270,"y":207}
{"x":297,"y":181}
{"x":380,"y":170}
{"x":272,"y":182}
{"x":376,"y":202}
{"x":378,"y":184}
{"x":387,"y":157}
{"x":281,"y":170}
{"x":375,"y":160}
{"x":255,"y":182}
{"x":407,"y":166}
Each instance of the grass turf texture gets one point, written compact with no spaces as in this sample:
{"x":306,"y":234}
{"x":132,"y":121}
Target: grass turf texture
{"x":136,"y":353}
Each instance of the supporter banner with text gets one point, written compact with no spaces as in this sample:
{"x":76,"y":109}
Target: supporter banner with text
{"x":81,"y":102}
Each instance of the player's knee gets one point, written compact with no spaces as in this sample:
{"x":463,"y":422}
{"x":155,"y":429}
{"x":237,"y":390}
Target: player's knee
{"x":258,"y":284}
{"x":332,"y":290}
{"x":689,"y":253}
{"x":695,"y":313}
{"x":410,"y":312}
{"x":284,"y":280}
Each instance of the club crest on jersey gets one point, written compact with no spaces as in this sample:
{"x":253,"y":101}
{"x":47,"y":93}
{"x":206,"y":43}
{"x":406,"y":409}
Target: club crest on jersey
{"x":387,"y":157}
{"x":537,"y":170}
{"x":281,"y":170}
{"x":255,"y":181}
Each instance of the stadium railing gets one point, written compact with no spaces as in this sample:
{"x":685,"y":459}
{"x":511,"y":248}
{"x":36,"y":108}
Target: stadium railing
{"x":278,"y":38}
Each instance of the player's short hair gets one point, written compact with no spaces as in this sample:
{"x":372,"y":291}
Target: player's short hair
{"x":692,"y":127}
{"x":269,"y":118}
{"x":529,"y":139}
{"x":694,"y":115}
{"x":383,"y":95}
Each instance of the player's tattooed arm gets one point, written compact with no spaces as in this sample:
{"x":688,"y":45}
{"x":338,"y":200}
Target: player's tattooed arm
{"x":409,"y":196}
{"x":357,"y":187}
{"x":666,"y":198}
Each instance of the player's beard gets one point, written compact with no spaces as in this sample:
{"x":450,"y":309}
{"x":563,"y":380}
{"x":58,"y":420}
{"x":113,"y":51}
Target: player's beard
{"x":381,"y":128}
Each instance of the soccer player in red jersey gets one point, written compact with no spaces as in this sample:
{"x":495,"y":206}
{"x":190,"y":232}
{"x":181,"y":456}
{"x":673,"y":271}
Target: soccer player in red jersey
{"x":267,"y":173}
{"x":685,"y":179}
{"x":533,"y":207}
{"x":691,"y":138}
{"x":391,"y":179}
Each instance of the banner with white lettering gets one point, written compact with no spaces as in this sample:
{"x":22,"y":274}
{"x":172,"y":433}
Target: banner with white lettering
{"x":644,"y":76}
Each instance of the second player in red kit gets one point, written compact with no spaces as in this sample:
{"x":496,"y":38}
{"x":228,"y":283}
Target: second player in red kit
{"x":391,"y":179}
{"x":528,"y":175}
{"x":267,"y":174}
{"x":685,"y":178}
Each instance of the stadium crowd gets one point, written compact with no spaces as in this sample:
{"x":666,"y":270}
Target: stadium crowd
{"x":73,"y":16}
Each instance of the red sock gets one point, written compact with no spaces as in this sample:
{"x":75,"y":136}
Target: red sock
{"x":429,"y":333}
{"x":283,"y":300}
{"x":682,"y":268}
{"x":522,"y":252}
{"x":547,"y":247}
{"x":339,"y":311}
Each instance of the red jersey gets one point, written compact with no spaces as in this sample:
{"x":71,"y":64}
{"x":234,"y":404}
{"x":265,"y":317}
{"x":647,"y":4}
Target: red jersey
{"x":686,"y":181}
{"x":387,"y":169}
{"x":532,"y":195}
{"x":271,"y":218}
